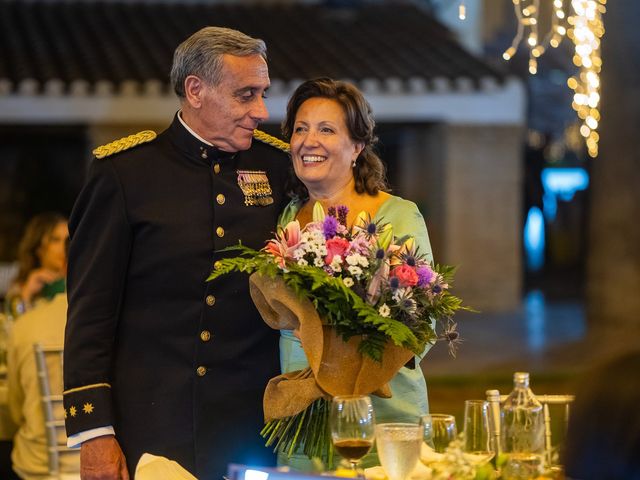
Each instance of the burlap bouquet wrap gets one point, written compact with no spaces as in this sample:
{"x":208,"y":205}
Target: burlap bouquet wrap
{"x":336,"y":366}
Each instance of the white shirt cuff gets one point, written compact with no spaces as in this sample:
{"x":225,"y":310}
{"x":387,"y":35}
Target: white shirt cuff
{"x":74,"y":441}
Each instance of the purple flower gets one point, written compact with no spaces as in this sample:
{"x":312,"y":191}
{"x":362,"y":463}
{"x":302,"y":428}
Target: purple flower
{"x":372,"y":228}
{"x":331,"y":211}
{"x":425,"y":275}
{"x":342,"y":214}
{"x":329,"y":227}
{"x":394,"y":283}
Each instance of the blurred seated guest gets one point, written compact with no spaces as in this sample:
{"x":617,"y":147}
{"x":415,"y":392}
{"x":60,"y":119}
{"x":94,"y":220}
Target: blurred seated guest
{"x":42,"y":263}
{"x":603,"y":441}
{"x":43,"y":324}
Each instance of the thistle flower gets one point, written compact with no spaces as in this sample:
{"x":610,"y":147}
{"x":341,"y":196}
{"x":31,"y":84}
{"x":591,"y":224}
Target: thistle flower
{"x":406,"y":249}
{"x":452,"y":337}
{"x":408,"y":305}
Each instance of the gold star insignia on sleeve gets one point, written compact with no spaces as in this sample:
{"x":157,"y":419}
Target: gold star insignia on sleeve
{"x":87,"y":408}
{"x":72,"y":411}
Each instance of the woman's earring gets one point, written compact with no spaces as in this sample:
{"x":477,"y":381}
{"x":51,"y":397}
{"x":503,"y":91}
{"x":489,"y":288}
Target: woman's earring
{"x":353,"y":165}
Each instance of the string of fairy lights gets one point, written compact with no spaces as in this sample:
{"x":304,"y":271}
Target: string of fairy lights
{"x":585,"y":28}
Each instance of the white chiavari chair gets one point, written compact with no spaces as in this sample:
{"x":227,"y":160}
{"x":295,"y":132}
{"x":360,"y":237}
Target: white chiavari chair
{"x":64,"y":463}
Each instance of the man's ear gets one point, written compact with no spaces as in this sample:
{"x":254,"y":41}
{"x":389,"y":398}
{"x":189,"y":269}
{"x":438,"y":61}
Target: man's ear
{"x":193,"y":91}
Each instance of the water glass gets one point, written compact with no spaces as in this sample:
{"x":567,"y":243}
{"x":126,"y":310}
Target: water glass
{"x":398,"y":448}
{"x":439,"y":429}
{"x":477,"y":437}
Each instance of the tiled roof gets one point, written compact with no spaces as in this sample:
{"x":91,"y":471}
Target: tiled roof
{"x":80,"y":47}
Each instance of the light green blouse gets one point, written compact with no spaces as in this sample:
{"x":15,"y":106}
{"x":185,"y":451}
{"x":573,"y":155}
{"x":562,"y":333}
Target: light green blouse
{"x":408,"y":387}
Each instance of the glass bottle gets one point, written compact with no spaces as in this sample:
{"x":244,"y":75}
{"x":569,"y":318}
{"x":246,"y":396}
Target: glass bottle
{"x":522,"y":432}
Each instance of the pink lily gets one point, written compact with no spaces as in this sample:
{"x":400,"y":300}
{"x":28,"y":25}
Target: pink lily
{"x":286,"y":242}
{"x":373,"y":290}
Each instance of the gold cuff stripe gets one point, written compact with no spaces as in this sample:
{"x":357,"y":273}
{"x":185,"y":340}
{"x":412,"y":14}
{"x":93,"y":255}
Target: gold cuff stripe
{"x":86,"y":387}
{"x":271,"y":140}
{"x":124,"y":143}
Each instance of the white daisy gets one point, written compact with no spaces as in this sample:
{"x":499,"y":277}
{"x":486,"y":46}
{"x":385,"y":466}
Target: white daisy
{"x":355,"y":271}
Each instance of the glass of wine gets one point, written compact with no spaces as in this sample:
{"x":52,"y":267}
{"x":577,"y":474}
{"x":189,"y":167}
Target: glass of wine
{"x":439,"y":429}
{"x":352,"y":427}
{"x":398,"y":448}
{"x":477,"y":446}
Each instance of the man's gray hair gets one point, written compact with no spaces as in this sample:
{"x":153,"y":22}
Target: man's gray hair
{"x":201,"y":54}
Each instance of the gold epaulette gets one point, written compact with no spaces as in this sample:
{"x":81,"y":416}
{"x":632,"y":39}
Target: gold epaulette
{"x":124,"y":143}
{"x":271,"y":140}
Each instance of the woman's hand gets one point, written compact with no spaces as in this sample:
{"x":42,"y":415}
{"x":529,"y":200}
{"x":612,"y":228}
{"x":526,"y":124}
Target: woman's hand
{"x":37,"y":279}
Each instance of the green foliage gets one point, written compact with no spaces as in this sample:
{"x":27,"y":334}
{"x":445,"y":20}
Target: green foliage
{"x":337,"y":304}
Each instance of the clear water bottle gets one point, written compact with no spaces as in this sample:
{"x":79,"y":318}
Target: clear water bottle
{"x":522,"y":432}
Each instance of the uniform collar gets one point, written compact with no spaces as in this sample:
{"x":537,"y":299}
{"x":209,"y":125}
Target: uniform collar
{"x":193,"y":144}
{"x":191,"y":131}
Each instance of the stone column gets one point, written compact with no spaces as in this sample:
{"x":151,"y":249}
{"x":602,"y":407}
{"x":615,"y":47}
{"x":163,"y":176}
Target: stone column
{"x":467,"y":180}
{"x":613,"y":279}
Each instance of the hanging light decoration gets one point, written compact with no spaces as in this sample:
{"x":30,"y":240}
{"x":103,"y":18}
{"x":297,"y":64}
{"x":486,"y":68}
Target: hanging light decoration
{"x":586,"y":31}
{"x":527,"y":12}
{"x":585,"y":28}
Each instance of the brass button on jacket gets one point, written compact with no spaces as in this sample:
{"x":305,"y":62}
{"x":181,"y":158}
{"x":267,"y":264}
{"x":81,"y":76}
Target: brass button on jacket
{"x":217,"y":264}
{"x":211,"y":300}
{"x":220,"y":232}
{"x":205,"y":335}
{"x":220,"y":199}
{"x":216,"y":168}
{"x":201,"y":371}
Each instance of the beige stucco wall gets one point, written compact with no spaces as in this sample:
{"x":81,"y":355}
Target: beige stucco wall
{"x":467,"y":182}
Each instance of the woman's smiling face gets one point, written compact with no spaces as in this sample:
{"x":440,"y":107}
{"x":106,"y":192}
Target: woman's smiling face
{"x":321,"y":148}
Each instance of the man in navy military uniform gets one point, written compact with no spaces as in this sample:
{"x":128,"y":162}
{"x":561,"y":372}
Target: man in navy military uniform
{"x":156,"y":359}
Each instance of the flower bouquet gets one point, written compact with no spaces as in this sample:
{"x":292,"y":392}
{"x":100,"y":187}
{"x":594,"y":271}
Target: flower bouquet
{"x":362,"y":302}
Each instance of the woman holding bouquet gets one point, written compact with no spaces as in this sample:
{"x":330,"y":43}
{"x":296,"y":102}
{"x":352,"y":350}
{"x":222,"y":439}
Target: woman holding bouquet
{"x":330,"y":128}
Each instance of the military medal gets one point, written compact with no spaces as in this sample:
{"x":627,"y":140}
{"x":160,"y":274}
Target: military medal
{"x":255,"y":186}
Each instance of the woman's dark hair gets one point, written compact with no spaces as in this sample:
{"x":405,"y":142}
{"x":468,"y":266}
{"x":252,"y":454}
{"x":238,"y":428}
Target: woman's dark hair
{"x":369,"y":171}
{"x":36,"y":234}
